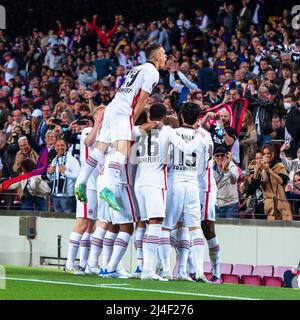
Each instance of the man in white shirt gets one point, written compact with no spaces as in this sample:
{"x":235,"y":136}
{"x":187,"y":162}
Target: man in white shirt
{"x":10,"y":67}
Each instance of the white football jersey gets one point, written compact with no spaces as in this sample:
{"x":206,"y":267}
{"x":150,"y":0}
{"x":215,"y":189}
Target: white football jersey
{"x":84,"y":154}
{"x":151,"y":153}
{"x":204,"y":151}
{"x":143,"y":77}
{"x":183,"y":165}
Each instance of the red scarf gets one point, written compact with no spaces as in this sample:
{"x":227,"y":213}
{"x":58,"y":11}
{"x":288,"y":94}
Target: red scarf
{"x":42,"y":165}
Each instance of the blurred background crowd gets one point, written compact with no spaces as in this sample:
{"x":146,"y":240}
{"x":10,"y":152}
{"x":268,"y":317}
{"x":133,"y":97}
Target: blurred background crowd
{"x":53,"y":73}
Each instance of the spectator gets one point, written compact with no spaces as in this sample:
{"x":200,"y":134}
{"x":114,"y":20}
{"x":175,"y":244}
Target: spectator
{"x":272,"y":177}
{"x":208,"y":79}
{"x":254,"y":191}
{"x":10,"y":67}
{"x":244,"y":17}
{"x":226,"y":174}
{"x":103,"y":66}
{"x":277,"y":131}
{"x":291,"y":166}
{"x":32,"y":191}
{"x":87,"y":76}
{"x":263,"y":116}
{"x":292,"y":125}
{"x":53,"y":58}
{"x":222,"y":134}
{"x":293,"y":195}
{"x":286,"y":81}
{"x":258,"y":17}
{"x":26,"y":152}
{"x":4,"y":113}
{"x":42,"y":127}
{"x":201,"y":19}
{"x":248,"y":140}
{"x":63,"y":173}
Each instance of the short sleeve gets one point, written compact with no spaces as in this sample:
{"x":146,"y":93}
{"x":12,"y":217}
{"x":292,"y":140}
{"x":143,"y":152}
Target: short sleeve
{"x":151,"y":78}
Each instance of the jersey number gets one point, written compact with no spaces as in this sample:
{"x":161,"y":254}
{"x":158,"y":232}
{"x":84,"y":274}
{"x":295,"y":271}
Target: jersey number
{"x":147,"y":147}
{"x":186,"y":162}
{"x":131,"y":77}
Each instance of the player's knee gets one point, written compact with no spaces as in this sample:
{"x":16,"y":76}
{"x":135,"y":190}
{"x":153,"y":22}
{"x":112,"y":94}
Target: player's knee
{"x":208,"y":229}
{"x":128,"y":228}
{"x":81,"y":225}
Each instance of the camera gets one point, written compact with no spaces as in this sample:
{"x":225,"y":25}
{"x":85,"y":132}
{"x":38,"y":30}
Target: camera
{"x":56,"y":121}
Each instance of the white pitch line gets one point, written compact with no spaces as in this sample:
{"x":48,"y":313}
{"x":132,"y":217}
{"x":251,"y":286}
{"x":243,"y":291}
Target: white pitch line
{"x":67,"y":283}
{"x":119,"y":287}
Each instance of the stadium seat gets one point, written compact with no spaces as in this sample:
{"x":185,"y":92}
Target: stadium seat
{"x":279,"y":271}
{"x":272,"y":282}
{"x":252,"y":280}
{"x":230,"y":278}
{"x":242,"y":269}
{"x":238,"y":271}
{"x":226,"y":268}
{"x":277,"y":279}
{"x":263,"y":271}
{"x":258,"y":273}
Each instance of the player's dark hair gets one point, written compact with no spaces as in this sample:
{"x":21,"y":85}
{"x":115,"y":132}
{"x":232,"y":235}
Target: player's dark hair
{"x":190,"y":113}
{"x":150,"y":49}
{"x":157,"y":111}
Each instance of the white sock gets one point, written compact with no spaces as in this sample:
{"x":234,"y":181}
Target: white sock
{"x":85,"y":246}
{"x":96,"y":247}
{"x":198,"y":249}
{"x":95,"y":158}
{"x":173,"y":238}
{"x":120,"y":246}
{"x":183,"y":247}
{"x":215,"y":256}
{"x":108,"y":246}
{"x":191,"y":263}
{"x":164,"y":250}
{"x":150,"y":246}
{"x":74,"y":242}
{"x":139,"y":237}
{"x":112,"y":170}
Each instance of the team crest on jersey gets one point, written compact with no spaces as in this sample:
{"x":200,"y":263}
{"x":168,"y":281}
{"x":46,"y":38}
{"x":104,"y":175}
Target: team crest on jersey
{"x":91,"y":211}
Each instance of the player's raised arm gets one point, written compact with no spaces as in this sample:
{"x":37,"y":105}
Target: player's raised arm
{"x":140,"y":105}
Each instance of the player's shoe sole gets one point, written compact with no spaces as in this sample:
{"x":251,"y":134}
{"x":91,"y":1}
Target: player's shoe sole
{"x":109,"y":197}
{"x":152,"y":276}
{"x":80,"y":193}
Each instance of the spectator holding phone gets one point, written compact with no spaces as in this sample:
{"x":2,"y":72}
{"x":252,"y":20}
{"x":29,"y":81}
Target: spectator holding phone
{"x":26,"y":152}
{"x":253,"y":190}
{"x":226,"y":174}
{"x":271,"y":174}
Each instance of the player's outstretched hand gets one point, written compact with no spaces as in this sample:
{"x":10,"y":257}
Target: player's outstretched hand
{"x":148,"y":126}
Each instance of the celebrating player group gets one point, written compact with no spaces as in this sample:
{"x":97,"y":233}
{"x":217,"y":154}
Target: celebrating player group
{"x":144,"y":179}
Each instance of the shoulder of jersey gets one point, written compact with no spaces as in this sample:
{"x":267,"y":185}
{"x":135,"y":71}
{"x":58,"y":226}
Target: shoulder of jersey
{"x":86,"y":130}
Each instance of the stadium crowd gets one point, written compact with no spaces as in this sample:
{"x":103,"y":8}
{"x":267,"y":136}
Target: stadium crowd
{"x":51,"y":83}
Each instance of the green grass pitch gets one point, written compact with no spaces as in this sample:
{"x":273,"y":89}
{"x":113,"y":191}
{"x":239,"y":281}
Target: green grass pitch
{"x":50,"y":284}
